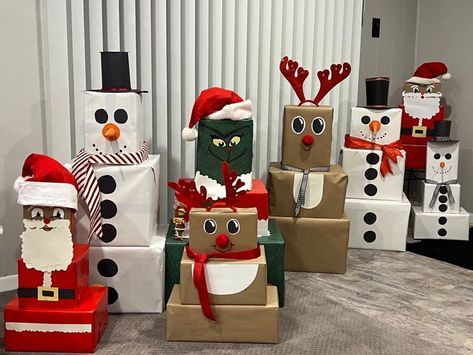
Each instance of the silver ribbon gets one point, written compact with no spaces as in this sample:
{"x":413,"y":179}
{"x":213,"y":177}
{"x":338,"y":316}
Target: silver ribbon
{"x":305,"y":179}
{"x":435,"y":194}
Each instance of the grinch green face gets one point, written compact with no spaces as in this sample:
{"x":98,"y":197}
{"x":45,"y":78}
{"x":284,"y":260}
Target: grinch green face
{"x":224,"y":140}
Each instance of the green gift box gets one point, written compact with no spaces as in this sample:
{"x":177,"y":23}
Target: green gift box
{"x":274,"y":249}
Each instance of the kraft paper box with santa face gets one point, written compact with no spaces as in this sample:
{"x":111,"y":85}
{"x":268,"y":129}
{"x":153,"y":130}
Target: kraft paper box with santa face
{"x":236,"y":324}
{"x":380,"y":126}
{"x":324,"y":192}
{"x":378,"y":224}
{"x":439,"y":225}
{"x":442,"y":198}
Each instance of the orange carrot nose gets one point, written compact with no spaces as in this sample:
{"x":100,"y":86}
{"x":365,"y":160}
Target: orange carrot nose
{"x":442,"y":164}
{"x":375,"y":126}
{"x":111,"y":132}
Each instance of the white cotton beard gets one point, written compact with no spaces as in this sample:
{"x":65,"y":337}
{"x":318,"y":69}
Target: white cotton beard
{"x":425,"y":108}
{"x":47,"y":251}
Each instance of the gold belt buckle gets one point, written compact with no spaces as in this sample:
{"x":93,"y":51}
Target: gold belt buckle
{"x":46,"y":297}
{"x":419,"y":131}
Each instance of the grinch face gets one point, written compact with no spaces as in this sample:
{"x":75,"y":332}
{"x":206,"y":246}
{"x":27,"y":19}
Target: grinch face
{"x":422,"y":101}
{"x":222,"y":230}
{"x":442,"y":161}
{"x":378,"y":126}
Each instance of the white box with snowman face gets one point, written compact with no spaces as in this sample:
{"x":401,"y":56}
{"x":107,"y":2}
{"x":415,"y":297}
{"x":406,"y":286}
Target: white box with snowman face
{"x":433,"y":225}
{"x":442,"y":161}
{"x":442,"y":204}
{"x":376,"y":224}
{"x":113,"y":122}
{"x":377,"y":126}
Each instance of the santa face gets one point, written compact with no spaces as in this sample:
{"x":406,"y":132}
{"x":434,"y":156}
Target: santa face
{"x":377,"y":126}
{"x":442,"y":161}
{"x":47,"y":240}
{"x":113,"y":122}
{"x":422,"y":101}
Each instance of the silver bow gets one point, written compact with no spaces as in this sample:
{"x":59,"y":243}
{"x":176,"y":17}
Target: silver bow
{"x":435,"y":194}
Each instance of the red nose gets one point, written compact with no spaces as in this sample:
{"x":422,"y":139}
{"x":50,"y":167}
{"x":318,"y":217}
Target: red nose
{"x":46,"y":220}
{"x":308,"y":140}
{"x":222,"y":241}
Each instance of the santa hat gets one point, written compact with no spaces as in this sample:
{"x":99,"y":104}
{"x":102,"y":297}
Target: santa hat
{"x":218,"y":104}
{"x":427,"y":73}
{"x":46,"y":182}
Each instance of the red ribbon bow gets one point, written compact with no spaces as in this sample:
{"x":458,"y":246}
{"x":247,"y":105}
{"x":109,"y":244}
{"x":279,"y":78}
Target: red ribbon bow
{"x":390,"y":151}
{"x":199,"y":274}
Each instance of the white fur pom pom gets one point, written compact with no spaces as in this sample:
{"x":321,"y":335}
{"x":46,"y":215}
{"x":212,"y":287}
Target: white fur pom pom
{"x":19,"y":180}
{"x":446,"y":76}
{"x":189,"y":134}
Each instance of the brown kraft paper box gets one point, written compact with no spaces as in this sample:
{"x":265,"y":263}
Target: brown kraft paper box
{"x":221,"y":276}
{"x":315,"y":244}
{"x":313,"y":121}
{"x":324,"y":198}
{"x":235,"y":323}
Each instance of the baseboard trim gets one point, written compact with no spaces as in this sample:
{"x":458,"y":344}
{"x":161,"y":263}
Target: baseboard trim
{"x":8,"y":283}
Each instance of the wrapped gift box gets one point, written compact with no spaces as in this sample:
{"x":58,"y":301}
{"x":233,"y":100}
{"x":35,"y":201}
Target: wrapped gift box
{"x":377,"y":224}
{"x":274,"y":250}
{"x":438,"y":153}
{"x":119,"y":111}
{"x":437,"y":225}
{"x":315,"y":244}
{"x":389,"y":121}
{"x":416,"y":154}
{"x":442,"y":203}
{"x":134,"y":276}
{"x":67,"y":287}
{"x":129,"y":204}
{"x":228,"y":281}
{"x":365,"y":179}
{"x":74,"y":329}
{"x":236,"y":323}
{"x":301,"y":121}
{"x":324,"y":196}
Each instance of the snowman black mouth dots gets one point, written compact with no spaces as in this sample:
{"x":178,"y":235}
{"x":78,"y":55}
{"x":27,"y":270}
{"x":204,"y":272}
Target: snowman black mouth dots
{"x":372,"y":137}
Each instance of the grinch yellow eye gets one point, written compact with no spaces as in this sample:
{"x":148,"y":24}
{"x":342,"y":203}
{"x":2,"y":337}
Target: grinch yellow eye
{"x":218,"y":142}
{"x":235,"y":140}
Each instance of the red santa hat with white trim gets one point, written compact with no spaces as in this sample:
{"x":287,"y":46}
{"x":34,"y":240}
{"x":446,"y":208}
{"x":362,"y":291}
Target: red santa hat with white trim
{"x":46,"y":182}
{"x":427,"y":73}
{"x":217,"y":104}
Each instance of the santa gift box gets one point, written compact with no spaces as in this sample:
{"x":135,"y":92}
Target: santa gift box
{"x":319,"y":195}
{"x":439,"y":225}
{"x":315,"y":244}
{"x":440,"y":198}
{"x":378,"y":224}
{"x":72,"y":329}
{"x":134,"y":276}
{"x":235,"y":323}
{"x":113,"y":115}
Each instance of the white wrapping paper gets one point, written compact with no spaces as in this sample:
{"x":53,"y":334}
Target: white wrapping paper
{"x":440,"y":204}
{"x":451,"y":226}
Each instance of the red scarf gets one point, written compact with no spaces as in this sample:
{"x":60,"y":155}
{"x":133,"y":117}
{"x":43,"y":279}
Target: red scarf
{"x":199,"y":275}
{"x":390,"y":151}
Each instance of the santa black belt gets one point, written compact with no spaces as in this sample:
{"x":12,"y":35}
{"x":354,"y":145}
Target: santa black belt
{"x":408,"y":132}
{"x":46,"y":293}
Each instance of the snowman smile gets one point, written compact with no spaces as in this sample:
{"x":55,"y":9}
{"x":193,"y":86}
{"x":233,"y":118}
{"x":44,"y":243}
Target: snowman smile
{"x":372,"y":137}
{"x":441,"y":171}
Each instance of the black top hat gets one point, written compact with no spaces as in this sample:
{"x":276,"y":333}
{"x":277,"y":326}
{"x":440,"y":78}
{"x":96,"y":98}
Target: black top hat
{"x":377,"y":90}
{"x":442,"y":132}
{"x":116,"y":73}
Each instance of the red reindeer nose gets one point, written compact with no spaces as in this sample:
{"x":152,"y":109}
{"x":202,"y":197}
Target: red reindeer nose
{"x":46,"y":220}
{"x":308,"y":140}
{"x":222,"y":241}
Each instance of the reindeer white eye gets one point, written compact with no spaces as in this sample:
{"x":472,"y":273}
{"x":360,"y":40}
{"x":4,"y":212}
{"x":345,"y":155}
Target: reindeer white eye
{"x":58,"y":213}
{"x":37,"y":213}
{"x":233,"y":226}
{"x":318,"y":125}
{"x":298,"y":124}
{"x":210,"y":226}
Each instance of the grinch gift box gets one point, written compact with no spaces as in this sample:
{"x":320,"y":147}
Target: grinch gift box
{"x":319,"y":195}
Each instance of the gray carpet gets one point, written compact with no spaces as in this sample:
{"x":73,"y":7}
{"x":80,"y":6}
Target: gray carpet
{"x":378,"y":307}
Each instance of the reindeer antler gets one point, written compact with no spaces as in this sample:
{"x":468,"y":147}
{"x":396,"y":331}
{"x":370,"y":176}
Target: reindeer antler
{"x":288,"y":69}
{"x":189,"y":196}
{"x":339,"y":74}
{"x":232,"y":185}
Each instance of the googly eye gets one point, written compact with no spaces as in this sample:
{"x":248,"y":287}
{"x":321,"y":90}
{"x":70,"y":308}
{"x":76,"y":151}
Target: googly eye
{"x":58,"y":213}
{"x":298,"y":124}
{"x":37,"y":213}
{"x":210,"y":226}
{"x":365,"y":119}
{"x":437,"y":156}
{"x":318,"y":125}
{"x":448,"y":156}
{"x":233,"y":226}
{"x":385,"y":120}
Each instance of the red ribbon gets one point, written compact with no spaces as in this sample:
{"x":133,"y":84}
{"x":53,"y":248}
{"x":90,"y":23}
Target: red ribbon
{"x":199,"y":272}
{"x":390,"y":151}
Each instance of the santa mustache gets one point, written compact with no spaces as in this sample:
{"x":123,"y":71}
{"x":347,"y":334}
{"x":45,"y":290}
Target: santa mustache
{"x":39,"y":223}
{"x":414,"y":95}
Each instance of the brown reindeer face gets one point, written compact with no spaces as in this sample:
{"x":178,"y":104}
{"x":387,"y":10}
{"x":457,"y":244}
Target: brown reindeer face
{"x":307,"y":136}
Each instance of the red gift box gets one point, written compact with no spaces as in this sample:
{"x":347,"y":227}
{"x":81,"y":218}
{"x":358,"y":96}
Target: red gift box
{"x":76,"y":329}
{"x":66,"y":288}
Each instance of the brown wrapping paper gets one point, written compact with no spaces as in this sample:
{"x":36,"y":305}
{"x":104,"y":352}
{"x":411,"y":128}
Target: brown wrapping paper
{"x":315,"y":244}
{"x":237,"y":324}
{"x":253,"y":294}
{"x":325,"y":194}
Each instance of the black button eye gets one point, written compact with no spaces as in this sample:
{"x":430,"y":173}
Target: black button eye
{"x":448,"y":156}
{"x":120,"y":116}
{"x":385,"y":120}
{"x":365,"y":120}
{"x":233,"y":226}
{"x":298,"y":124}
{"x":318,"y":125}
{"x":210,"y":226}
{"x":101,"y":116}
{"x":437,"y":156}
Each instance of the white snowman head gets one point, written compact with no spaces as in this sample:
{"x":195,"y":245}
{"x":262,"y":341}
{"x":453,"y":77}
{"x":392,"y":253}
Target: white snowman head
{"x":442,"y":161}
{"x":377,"y":126}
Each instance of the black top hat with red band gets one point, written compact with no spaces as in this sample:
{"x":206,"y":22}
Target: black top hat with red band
{"x":116,"y":73}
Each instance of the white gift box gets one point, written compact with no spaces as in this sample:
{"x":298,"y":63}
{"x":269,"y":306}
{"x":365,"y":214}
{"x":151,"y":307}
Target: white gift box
{"x":437,"y":225}
{"x":363,"y":121}
{"x":376,"y":224}
{"x":134,"y":276}
{"x":442,"y":202}
{"x":129,"y":204}
{"x":365,"y":179}
{"x":122,"y":110}
{"x":442,"y":161}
